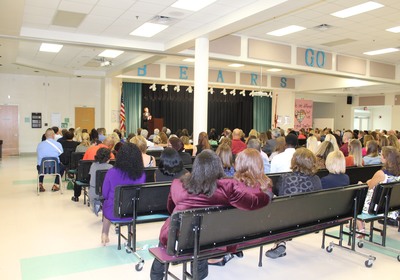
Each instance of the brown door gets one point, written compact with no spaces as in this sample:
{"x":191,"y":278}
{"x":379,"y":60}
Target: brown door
{"x":9,"y":129}
{"x":84,"y":118}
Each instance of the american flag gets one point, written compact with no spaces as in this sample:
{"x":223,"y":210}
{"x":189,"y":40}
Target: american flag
{"x":122,"y":114}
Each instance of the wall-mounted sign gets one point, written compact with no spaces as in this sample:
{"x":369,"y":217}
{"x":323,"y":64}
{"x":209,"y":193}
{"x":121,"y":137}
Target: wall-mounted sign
{"x":36,"y":120}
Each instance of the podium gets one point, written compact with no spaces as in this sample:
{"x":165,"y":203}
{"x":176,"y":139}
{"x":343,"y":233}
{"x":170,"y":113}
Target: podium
{"x":155,"y":123}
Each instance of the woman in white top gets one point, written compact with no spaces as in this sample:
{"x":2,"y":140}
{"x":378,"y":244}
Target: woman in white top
{"x":140,"y":141}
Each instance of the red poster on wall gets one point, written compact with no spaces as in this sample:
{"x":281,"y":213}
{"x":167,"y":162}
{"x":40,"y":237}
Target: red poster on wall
{"x":303,"y":114}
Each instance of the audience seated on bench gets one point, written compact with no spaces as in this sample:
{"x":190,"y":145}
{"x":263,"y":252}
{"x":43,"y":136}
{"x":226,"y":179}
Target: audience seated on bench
{"x":204,"y":187}
{"x":220,"y":228}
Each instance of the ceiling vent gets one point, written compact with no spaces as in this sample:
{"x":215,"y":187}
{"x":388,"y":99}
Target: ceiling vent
{"x":323,"y":27}
{"x":163,"y":20}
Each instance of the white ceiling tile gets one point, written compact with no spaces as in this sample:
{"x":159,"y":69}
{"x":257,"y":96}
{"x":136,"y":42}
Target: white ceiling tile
{"x":37,"y":20}
{"x":122,"y":4}
{"x":77,"y":7}
{"x":49,"y":4}
{"x":94,"y":24}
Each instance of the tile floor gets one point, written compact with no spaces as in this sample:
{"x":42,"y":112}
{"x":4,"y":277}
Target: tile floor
{"x":50,"y":237}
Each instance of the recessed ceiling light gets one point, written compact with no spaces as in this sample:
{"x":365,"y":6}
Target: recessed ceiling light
{"x":382,"y":51}
{"x":359,"y":9}
{"x":148,"y":29}
{"x":236,"y":65}
{"x":111,"y":53}
{"x":54,"y":48}
{"x":286,"y":30}
{"x":274,"y":70}
{"x":394,"y":29}
{"x":189,"y":59}
{"x":192,"y":5}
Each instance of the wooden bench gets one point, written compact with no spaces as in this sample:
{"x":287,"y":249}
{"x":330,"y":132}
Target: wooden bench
{"x":200,"y":234}
{"x":142,"y":203}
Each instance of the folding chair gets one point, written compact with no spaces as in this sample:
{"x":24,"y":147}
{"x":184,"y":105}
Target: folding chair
{"x":49,"y":166}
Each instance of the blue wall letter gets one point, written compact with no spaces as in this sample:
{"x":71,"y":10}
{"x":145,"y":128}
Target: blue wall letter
{"x":309,"y":61}
{"x":220,"y":77}
{"x":254,"y":78}
{"x":320,"y":59}
{"x":283,"y":82}
{"x":183,"y":72}
{"x":142,"y":71}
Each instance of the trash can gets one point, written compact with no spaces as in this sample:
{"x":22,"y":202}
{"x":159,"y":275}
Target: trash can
{"x":1,"y":147}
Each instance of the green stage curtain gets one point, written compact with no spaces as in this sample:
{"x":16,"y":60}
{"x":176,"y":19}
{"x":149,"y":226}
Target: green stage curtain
{"x":133,"y":105}
{"x":262,"y":113}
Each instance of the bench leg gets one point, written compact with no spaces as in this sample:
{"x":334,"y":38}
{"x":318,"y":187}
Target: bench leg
{"x":260,"y":256}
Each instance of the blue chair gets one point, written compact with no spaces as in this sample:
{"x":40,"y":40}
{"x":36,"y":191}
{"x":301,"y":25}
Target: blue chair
{"x":49,"y":166}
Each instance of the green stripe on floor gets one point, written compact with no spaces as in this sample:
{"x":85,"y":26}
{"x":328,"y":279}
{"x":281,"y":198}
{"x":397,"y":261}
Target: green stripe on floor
{"x":80,"y":261}
{"x":32,"y":182}
{"x":390,"y":243}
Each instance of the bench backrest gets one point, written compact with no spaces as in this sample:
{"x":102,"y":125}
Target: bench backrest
{"x":151,"y":170}
{"x":363,"y":173}
{"x":100,"y":175}
{"x":356,"y":174}
{"x":75,"y":158}
{"x":83,"y":171}
{"x":222,"y":227}
{"x":65,"y":157}
{"x":383,"y":193}
{"x":149,"y":199}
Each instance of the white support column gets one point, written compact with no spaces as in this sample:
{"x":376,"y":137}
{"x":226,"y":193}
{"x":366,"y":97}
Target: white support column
{"x":200,"y":100}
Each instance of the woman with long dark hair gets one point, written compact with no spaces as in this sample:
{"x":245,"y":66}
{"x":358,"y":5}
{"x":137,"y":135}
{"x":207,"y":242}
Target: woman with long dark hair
{"x":128,"y":170}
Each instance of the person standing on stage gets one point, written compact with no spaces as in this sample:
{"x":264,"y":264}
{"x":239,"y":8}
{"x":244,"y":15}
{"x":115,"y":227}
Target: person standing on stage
{"x":146,"y":117}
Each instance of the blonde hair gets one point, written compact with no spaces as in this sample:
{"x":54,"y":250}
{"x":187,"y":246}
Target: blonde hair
{"x":249,"y":168}
{"x":331,"y":138}
{"x":280,"y":144}
{"x":254,"y":133}
{"x":140,"y":142}
{"x":335,"y":162}
{"x":356,"y":152}
{"x":312,"y":144}
{"x":85,"y":139}
{"x":115,"y":137}
{"x":185,"y":140}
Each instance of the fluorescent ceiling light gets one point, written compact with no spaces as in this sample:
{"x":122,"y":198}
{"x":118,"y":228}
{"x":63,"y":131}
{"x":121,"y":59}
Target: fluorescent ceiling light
{"x":359,"y":9}
{"x":54,"y":48}
{"x":192,"y":5}
{"x":274,"y":70}
{"x":189,"y":59}
{"x":148,"y":29}
{"x":236,"y":65}
{"x":286,"y":30}
{"x":394,"y":29}
{"x":111,"y":53}
{"x":382,"y":51}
